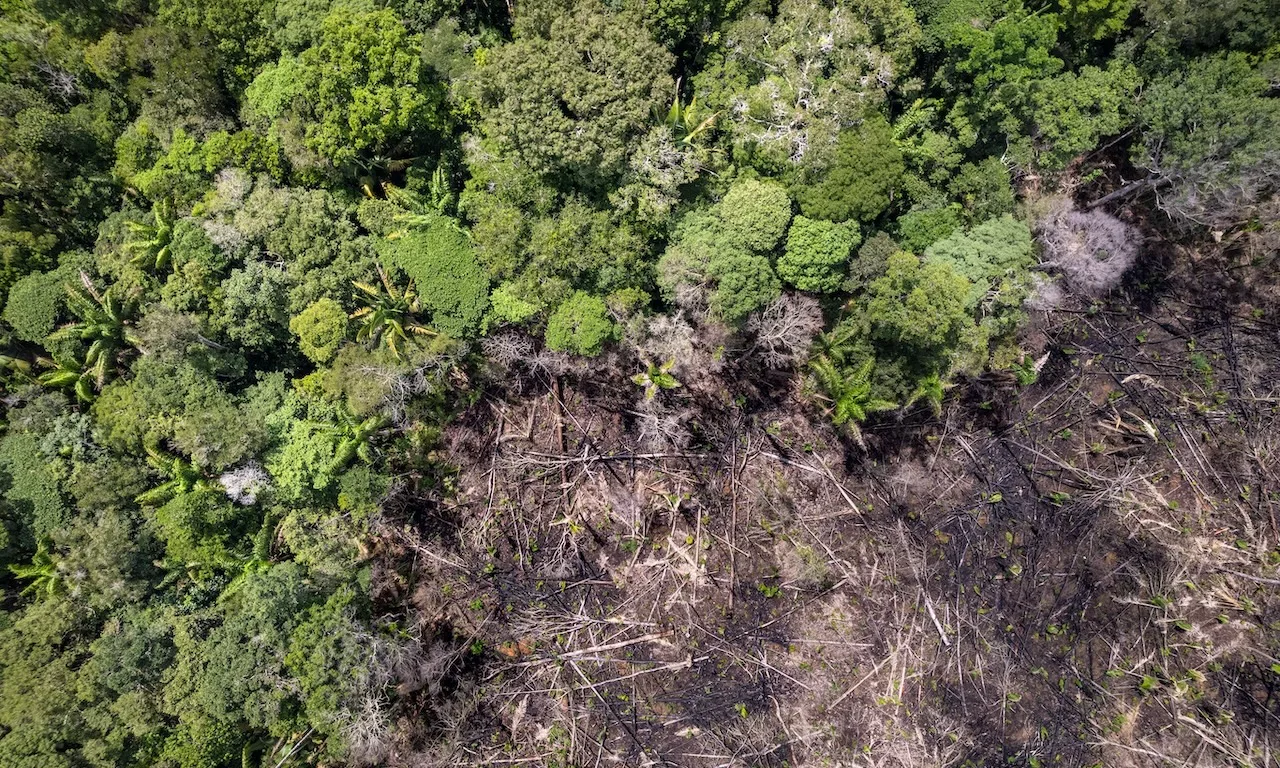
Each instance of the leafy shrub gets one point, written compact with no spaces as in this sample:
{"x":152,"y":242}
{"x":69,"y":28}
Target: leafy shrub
{"x":320,"y":329}
{"x":450,"y":281}
{"x":862,"y":181}
{"x":817,"y":254}
{"x":721,"y":254}
{"x":202,"y":527}
{"x":987,"y":254}
{"x":983,"y":189}
{"x":919,"y":229}
{"x":34,"y":304}
{"x":35,"y":490}
{"x":744,"y":283}
{"x":755,"y":214}
{"x":580,"y":325}
{"x":919,"y":307}
{"x":255,"y":306}
{"x":871,"y":262}
{"x":509,"y":307}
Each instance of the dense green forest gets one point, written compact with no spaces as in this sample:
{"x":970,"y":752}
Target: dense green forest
{"x":644,"y":382}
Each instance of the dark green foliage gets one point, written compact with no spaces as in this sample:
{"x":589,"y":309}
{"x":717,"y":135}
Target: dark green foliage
{"x":328,"y":654}
{"x":677,"y":23}
{"x":983,"y":189}
{"x":1211,"y":130}
{"x":225,"y":673}
{"x":1197,"y":27}
{"x":570,"y":100}
{"x":919,"y":229}
{"x":871,"y":262}
{"x":198,"y":268}
{"x":55,"y":151}
{"x":35,"y":303}
{"x":1070,"y":113}
{"x":1000,"y":66}
{"x":451,"y":284}
{"x":175,"y":401}
{"x":236,"y":31}
{"x":863,"y":179}
{"x":723,"y":254}
{"x":580,"y":325}
{"x":817,"y":254}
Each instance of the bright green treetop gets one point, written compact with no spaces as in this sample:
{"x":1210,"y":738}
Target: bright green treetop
{"x":360,"y":94}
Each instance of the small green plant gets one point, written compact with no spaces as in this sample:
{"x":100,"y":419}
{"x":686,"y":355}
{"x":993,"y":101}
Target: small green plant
{"x":1027,"y":371}
{"x":1148,"y":684}
{"x":656,"y":378}
{"x":769,"y":590}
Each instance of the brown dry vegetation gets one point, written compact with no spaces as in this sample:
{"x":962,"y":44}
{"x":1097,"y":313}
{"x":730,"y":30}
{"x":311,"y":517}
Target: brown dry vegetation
{"x":1079,"y":571}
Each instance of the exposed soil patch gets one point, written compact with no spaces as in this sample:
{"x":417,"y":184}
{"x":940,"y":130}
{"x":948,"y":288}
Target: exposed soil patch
{"x":1086,"y":576}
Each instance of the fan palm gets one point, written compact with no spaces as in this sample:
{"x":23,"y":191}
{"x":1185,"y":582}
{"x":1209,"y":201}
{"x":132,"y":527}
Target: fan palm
{"x":69,"y":373}
{"x":687,"y":121}
{"x":46,"y":577}
{"x":150,"y":243}
{"x":655,"y":378}
{"x":104,"y":322}
{"x":184,"y":477}
{"x":389,"y":316}
{"x":931,"y":390}
{"x":354,"y":438}
{"x":421,"y":210}
{"x":849,"y":393}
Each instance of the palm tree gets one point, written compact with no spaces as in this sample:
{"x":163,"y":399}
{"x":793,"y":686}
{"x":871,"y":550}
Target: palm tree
{"x":389,"y":317}
{"x":422,"y":210}
{"x":46,"y":577}
{"x":184,"y":477}
{"x":354,"y":438}
{"x":848,"y":392}
{"x":150,"y":243}
{"x":69,"y":373}
{"x":655,"y":378}
{"x":105,"y":323}
{"x":12,"y":364}
{"x":686,"y":121}
{"x":931,"y":389}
